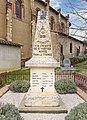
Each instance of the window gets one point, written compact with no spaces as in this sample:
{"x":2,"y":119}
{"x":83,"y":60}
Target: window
{"x":70,"y":47}
{"x":79,"y":49}
{"x":52,"y":23}
{"x":61,"y":49}
{"x":62,"y":27}
{"x":20,"y":10}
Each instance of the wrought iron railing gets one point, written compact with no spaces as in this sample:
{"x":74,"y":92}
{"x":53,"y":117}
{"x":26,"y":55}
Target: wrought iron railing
{"x":8,"y":77}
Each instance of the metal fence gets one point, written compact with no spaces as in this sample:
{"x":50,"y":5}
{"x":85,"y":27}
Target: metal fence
{"x":2,"y":79}
{"x":20,"y":75}
{"x":8,"y":77}
{"x":65,"y":75}
{"x":80,"y":80}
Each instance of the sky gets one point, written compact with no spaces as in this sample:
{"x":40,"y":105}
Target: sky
{"x":70,"y":7}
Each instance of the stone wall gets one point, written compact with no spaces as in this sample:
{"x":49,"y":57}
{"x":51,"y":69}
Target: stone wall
{"x":14,"y":29}
{"x":9,"y":21}
{"x":10,"y":58}
{"x":65,"y":41}
{"x":2,"y":18}
{"x":55,"y":46}
{"x":59,"y":39}
{"x":55,"y":16}
{"x":39,"y":5}
{"x":21,"y":28}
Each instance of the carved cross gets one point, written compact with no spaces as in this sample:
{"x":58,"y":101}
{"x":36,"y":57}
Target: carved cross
{"x":42,"y":89}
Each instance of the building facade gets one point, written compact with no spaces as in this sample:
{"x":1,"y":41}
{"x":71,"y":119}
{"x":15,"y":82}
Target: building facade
{"x":10,"y":56}
{"x":19,"y":18}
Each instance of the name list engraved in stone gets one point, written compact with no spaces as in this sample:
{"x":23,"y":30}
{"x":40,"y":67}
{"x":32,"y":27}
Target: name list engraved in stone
{"x":46,"y":78}
{"x":35,"y":79}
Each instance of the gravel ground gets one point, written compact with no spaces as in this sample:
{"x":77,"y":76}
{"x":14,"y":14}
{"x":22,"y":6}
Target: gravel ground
{"x":70,"y":101}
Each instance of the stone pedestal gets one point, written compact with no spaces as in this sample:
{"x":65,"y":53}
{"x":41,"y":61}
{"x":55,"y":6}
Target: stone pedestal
{"x":42,"y":67}
{"x":42,"y":91}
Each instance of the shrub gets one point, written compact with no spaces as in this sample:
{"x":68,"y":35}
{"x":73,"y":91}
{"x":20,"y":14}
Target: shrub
{"x":19,"y":86}
{"x":65,"y":86}
{"x":78,"y":113}
{"x":9,"y":112}
{"x":2,"y":117}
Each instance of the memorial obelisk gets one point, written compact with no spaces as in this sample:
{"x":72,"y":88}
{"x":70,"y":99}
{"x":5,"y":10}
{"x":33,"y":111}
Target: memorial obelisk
{"x":42,"y":67}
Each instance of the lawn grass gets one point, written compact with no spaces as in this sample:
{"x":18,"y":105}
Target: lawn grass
{"x":81,"y":67}
{"x":22,"y":74}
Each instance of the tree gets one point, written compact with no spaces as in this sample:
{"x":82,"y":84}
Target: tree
{"x":78,"y":11}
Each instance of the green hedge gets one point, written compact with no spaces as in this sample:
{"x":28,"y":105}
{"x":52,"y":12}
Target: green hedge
{"x":20,"y":86}
{"x":78,"y":59}
{"x":78,"y":113}
{"x":65,"y":86}
{"x":9,"y":112}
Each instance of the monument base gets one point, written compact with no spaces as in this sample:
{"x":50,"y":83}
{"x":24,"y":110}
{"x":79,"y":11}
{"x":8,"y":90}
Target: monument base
{"x":42,"y":109}
{"x":41,"y":99}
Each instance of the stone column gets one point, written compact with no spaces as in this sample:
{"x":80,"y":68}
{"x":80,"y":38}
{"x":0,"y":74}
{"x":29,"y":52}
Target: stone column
{"x":67,"y":24}
{"x":59,"y":20}
{"x":3,"y":19}
{"x":9,"y":21}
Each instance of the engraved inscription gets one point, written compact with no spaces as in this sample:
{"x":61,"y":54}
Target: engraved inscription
{"x":42,"y":45}
{"x":46,"y":79}
{"x":42,"y":50}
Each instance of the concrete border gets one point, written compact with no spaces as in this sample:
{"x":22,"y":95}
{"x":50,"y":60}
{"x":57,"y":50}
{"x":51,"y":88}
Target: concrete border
{"x":3,"y":90}
{"x":82,"y":94}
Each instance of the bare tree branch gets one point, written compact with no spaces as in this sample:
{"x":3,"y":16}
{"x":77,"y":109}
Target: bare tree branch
{"x":80,"y":13}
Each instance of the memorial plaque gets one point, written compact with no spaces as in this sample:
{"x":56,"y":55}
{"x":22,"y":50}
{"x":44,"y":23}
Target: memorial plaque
{"x":66,"y":62}
{"x":42,"y":77}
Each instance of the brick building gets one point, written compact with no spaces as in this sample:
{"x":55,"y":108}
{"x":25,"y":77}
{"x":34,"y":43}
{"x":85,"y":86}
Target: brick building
{"x":16,"y":17}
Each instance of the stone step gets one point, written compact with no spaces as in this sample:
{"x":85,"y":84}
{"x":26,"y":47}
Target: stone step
{"x":3,"y":90}
{"x":61,"y":108}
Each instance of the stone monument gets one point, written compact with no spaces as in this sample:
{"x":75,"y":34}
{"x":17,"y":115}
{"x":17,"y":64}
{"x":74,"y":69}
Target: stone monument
{"x":66,"y":62}
{"x":42,"y":67}
{"x":42,"y":96}
{"x":67,"y":65}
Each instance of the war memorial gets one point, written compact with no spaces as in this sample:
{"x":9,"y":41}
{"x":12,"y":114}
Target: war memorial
{"x":42,"y":96}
